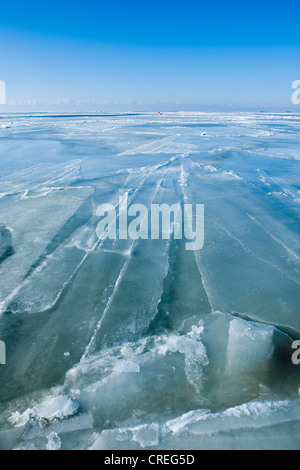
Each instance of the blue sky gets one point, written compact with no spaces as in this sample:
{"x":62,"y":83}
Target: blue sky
{"x":218,"y":53}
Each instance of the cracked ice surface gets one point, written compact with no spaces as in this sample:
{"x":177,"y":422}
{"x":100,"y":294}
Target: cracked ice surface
{"x":134,"y":344}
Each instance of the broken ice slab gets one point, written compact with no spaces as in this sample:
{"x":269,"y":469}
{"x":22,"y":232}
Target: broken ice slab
{"x":42,"y":217}
{"x":238,"y":217}
{"x":55,"y":408}
{"x":199,"y":429}
{"x":218,"y":361}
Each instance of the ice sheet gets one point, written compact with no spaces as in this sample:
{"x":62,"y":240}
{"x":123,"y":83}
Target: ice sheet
{"x":133,"y":344}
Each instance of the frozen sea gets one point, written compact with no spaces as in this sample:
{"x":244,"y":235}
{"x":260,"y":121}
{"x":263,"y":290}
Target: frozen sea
{"x":122,"y":344}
